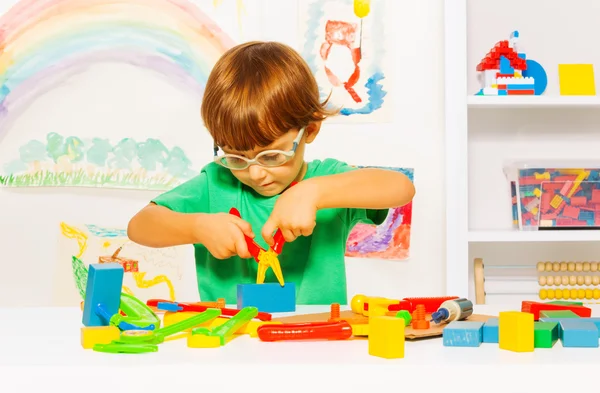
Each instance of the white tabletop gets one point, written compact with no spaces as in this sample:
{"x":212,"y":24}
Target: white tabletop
{"x":41,"y":345}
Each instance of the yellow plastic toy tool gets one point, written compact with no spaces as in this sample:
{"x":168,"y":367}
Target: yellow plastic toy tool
{"x":265,"y":258}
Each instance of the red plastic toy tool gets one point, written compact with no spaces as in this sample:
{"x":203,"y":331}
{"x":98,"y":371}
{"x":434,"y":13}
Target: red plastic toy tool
{"x":266,"y":258}
{"x":340,"y":330}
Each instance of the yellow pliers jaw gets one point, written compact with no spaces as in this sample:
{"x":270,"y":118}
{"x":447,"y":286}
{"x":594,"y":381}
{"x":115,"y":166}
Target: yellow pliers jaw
{"x":268,"y":259}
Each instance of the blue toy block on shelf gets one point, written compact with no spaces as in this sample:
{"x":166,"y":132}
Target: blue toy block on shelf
{"x":267,"y":297}
{"x":102,"y":293}
{"x":490,"y":331}
{"x":577,"y":333}
{"x":463,"y":334}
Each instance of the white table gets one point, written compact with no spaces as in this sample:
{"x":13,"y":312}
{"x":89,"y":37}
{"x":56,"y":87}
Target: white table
{"x":41,"y":348}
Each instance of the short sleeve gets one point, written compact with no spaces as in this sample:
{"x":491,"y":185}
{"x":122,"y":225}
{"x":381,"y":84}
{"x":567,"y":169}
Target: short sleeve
{"x":189,"y":197}
{"x":351,"y":216}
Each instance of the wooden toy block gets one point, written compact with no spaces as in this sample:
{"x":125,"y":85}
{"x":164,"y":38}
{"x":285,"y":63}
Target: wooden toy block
{"x":545,"y":334}
{"x":515,"y":331}
{"x":267,"y":297}
{"x":102,"y":293}
{"x":386,"y":337}
{"x":558,"y":314}
{"x":565,"y":303}
{"x":576,"y":80}
{"x":463,"y":334}
{"x":92,"y":335}
{"x":535,"y":308}
{"x":595,"y":321}
{"x":578,"y":333}
{"x":490,"y":331}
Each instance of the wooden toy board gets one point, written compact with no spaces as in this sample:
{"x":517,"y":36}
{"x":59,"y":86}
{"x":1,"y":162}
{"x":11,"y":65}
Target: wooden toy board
{"x":409,"y":333}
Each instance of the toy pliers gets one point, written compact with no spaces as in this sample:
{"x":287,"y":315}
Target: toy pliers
{"x":265,"y":258}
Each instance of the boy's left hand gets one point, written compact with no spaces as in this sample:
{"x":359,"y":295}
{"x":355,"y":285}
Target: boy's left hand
{"x":295,"y":213}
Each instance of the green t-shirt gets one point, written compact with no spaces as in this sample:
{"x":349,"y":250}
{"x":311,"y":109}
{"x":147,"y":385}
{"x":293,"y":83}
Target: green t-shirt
{"x":315,"y":264}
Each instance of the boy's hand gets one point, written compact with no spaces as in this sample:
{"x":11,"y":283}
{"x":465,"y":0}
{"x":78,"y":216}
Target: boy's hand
{"x":295,"y":213}
{"x":223,"y":235}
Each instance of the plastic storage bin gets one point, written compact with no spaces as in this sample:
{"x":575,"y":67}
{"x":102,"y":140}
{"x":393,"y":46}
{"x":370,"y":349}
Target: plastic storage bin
{"x":555,"y":195}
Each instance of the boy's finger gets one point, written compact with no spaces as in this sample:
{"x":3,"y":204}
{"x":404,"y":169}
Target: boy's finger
{"x":241,"y":248}
{"x":245,"y":227}
{"x":267,"y":231}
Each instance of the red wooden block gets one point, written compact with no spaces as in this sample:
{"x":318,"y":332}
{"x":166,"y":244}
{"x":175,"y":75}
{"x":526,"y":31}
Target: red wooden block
{"x":535,"y":308}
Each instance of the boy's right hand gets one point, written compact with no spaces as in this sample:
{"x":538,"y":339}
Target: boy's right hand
{"x":223,"y":235}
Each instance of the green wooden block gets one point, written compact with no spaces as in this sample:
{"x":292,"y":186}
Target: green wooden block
{"x":565,"y":303}
{"x":545,"y":334}
{"x":558,"y":314}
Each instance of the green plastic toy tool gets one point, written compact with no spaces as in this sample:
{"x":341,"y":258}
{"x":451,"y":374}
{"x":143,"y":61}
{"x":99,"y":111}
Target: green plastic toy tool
{"x":158,"y":336}
{"x":226,"y":330}
{"x":137,"y":315}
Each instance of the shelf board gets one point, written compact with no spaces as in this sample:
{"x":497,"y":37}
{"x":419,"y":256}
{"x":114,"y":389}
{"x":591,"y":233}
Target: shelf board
{"x":509,"y":235}
{"x":525,"y":102}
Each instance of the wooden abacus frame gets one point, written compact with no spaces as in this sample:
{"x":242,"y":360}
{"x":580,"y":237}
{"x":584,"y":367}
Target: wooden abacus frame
{"x":561,"y":286}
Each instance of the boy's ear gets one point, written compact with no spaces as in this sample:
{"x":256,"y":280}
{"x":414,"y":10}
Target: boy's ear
{"x":312,"y":130}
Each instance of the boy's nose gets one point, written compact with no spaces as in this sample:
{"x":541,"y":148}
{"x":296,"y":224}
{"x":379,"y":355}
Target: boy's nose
{"x":257,"y":173}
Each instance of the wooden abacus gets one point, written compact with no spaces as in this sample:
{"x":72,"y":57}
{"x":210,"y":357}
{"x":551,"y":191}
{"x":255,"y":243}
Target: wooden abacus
{"x":580,"y":282}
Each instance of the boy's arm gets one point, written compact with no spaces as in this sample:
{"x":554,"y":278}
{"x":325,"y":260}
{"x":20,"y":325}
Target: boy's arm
{"x":158,"y":226}
{"x":365,"y":188}
{"x":176,"y":217}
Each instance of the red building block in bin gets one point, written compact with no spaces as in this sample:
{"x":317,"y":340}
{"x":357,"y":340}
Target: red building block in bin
{"x":578,"y":201}
{"x":571,"y":211}
{"x":595,"y":196}
{"x":535,"y":308}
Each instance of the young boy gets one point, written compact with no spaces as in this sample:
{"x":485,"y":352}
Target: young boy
{"x":262,"y":107}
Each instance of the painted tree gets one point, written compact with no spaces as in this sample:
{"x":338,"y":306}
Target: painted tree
{"x":178,"y":164}
{"x":151,"y":153}
{"x":124,"y":152}
{"x":99,"y":151}
{"x":74,"y":149}
{"x":55,"y":146}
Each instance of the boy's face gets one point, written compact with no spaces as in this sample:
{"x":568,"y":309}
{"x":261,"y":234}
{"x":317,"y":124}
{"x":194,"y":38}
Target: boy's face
{"x":270,"y":181}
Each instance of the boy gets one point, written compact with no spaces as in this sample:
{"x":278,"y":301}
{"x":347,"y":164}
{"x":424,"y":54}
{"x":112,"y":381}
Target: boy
{"x":261,"y":106}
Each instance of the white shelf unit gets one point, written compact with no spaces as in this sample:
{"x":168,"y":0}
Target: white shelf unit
{"x":459,"y":106}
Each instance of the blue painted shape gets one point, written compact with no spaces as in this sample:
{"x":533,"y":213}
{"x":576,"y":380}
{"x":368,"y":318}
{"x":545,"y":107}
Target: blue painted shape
{"x":102,"y":293}
{"x":490,"y":331}
{"x":538,"y":73}
{"x":267,"y":297}
{"x":463,"y":334}
{"x":520,"y":87}
{"x":578,"y":333}
{"x":502,"y":92}
{"x":505,"y":67}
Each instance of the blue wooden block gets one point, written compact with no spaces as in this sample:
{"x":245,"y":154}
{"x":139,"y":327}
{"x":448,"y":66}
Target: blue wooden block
{"x":267,"y":297}
{"x":559,"y":320}
{"x":463,"y":334}
{"x":578,"y":333}
{"x":490,"y":331}
{"x":102,"y":293}
{"x":595,"y":321}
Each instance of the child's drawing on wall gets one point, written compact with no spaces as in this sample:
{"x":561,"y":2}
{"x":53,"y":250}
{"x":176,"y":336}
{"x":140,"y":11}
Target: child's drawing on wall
{"x":390,"y":240}
{"x":344,"y":45}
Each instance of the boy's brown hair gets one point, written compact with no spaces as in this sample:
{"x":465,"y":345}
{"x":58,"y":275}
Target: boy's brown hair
{"x":257,"y":92}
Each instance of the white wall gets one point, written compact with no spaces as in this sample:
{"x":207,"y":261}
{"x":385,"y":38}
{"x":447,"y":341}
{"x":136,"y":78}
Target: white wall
{"x":29,"y":217}
{"x":550,"y":33}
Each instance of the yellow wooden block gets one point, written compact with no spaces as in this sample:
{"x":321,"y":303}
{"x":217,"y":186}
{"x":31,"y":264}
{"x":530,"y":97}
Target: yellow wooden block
{"x":515,"y":331}
{"x":386,"y":337}
{"x":92,"y":335}
{"x":576,"y":80}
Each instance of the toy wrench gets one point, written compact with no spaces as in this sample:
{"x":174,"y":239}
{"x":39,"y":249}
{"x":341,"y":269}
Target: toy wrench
{"x":265,"y":258}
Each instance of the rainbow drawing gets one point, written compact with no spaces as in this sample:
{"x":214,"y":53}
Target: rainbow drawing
{"x":44,"y":42}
